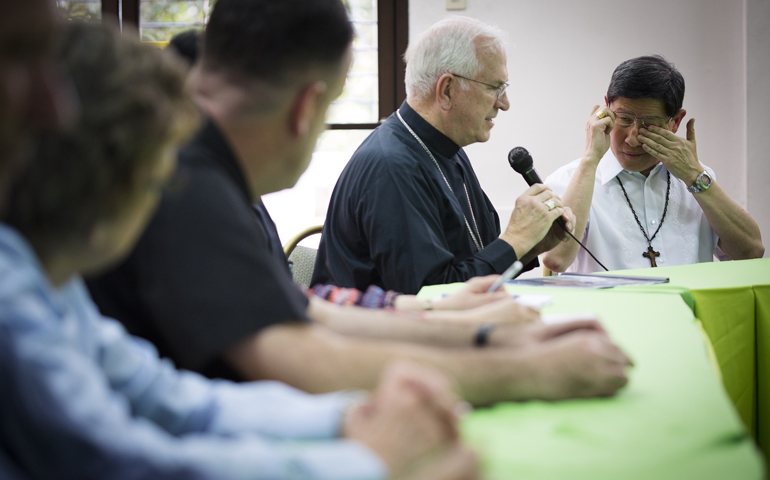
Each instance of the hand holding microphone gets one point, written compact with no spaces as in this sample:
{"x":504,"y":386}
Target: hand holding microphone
{"x":521,"y":161}
{"x":533,"y":227}
{"x":539,"y":220}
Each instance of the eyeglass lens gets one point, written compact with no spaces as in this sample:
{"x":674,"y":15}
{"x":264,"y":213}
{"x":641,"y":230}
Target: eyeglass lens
{"x":627,"y":119}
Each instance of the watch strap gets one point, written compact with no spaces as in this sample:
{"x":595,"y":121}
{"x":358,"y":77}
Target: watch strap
{"x":482,"y":334}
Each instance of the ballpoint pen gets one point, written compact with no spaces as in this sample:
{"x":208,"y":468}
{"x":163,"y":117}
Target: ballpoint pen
{"x":508,"y":274}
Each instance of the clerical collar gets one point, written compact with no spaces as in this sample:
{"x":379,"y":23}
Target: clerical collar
{"x":435,"y":140}
{"x":610,"y":167}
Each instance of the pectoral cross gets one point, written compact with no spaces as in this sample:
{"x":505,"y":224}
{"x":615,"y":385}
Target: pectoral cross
{"x":651,"y":254}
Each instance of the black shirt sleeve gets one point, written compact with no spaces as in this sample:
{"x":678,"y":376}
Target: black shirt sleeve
{"x":202,"y":277}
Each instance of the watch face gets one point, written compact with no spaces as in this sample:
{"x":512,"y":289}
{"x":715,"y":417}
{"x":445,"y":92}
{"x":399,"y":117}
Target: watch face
{"x":705,"y":179}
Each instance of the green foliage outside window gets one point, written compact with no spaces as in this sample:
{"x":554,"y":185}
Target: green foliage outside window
{"x":86,"y":11}
{"x":160,"y":20}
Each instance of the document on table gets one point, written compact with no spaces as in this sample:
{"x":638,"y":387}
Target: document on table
{"x":588,"y":280}
{"x":534,"y":301}
{"x":551,"y":318}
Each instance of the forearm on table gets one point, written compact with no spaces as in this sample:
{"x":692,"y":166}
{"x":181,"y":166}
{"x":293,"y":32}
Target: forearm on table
{"x":436,"y":327}
{"x":316,"y":360}
{"x":489,"y":375}
{"x":431,"y":310}
{"x":578,"y":197}
{"x":409,"y":302}
{"x":739,"y":235}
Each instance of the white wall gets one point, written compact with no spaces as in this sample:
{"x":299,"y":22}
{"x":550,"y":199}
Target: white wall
{"x":561,"y":55}
{"x":758,"y":100}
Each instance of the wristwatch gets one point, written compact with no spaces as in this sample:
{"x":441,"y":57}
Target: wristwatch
{"x":482,"y":334}
{"x":703,"y":182}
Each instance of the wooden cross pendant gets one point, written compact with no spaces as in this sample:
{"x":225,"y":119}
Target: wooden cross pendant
{"x":651,"y":254}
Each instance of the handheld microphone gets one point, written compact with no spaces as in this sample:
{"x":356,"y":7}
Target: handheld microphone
{"x":521,"y":161}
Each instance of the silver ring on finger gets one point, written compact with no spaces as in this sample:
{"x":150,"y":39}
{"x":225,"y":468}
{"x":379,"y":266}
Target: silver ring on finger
{"x":550,"y":204}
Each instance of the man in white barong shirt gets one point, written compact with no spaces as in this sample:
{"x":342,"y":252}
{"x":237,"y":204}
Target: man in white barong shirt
{"x":640,"y":195}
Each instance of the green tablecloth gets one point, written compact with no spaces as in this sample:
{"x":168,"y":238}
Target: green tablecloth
{"x":732,"y":299}
{"x":674,"y":420}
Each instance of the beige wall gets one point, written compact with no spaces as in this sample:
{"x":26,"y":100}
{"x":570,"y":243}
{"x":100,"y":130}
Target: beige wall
{"x":561,"y":54}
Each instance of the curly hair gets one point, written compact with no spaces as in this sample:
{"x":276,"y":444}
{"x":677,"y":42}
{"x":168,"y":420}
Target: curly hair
{"x":133,"y":103}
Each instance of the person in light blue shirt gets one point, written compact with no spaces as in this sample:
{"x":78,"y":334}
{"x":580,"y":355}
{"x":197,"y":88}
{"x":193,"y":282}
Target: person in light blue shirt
{"x":25,"y":52}
{"x":83,"y":399}
{"x":7,"y":470}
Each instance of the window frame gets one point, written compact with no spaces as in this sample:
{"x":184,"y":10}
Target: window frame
{"x":122,"y":12}
{"x":392,"y":39}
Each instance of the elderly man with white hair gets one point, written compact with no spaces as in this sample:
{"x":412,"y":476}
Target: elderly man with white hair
{"x":408,"y":210}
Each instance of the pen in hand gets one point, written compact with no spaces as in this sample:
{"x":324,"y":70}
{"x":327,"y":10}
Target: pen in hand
{"x":511,"y":272}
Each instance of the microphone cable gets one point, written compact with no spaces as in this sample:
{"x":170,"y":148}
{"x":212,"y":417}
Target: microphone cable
{"x":583,"y":246}
{"x":521,"y":162}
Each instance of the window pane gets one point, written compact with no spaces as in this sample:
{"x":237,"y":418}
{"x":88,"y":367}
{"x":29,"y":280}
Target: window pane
{"x":359,"y":101}
{"x":160,"y":20}
{"x":303,"y":206}
{"x":85,"y":10}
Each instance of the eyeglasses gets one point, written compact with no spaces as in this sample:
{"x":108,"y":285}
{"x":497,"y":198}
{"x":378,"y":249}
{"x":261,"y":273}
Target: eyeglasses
{"x":500,"y":89}
{"x":628,"y":119}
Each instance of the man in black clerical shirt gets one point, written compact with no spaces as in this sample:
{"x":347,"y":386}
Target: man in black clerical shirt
{"x":204,"y":286}
{"x":408,"y":210}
